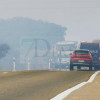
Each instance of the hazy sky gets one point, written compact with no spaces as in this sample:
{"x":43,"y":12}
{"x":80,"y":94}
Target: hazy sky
{"x":81,"y":17}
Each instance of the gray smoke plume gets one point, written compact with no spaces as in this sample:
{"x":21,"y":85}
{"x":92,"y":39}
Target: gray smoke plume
{"x":4,"y":48}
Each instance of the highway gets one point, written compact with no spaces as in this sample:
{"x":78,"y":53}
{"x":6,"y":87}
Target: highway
{"x":38,"y":85}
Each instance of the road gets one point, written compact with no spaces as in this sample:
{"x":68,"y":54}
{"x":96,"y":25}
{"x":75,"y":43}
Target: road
{"x":38,"y":85}
{"x":90,"y":91}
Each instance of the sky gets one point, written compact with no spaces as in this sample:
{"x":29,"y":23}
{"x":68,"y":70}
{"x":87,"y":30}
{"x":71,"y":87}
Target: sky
{"x":81,"y":17}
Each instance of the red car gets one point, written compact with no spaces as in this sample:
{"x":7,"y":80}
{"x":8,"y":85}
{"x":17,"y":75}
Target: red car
{"x":81,"y":58}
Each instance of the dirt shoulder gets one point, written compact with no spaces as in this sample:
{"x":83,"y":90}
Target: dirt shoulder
{"x":90,"y":91}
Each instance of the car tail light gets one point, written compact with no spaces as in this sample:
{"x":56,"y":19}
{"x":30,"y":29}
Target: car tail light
{"x":89,"y":56}
{"x":73,"y":55}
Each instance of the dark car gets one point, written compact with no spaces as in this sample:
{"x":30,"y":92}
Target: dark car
{"x":94,"y":49}
{"x":81,"y":58}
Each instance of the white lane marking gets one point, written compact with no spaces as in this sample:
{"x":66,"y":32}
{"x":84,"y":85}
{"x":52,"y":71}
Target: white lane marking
{"x":64,"y":94}
{"x":5,"y":72}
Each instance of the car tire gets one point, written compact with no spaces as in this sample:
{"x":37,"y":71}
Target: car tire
{"x":71,"y":67}
{"x":90,"y":68}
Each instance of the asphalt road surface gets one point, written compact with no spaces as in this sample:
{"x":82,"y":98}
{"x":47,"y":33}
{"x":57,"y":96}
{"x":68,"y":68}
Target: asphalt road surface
{"x":38,"y":85}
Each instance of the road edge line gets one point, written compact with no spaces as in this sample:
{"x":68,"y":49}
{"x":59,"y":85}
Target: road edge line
{"x":64,"y":94}
{"x":5,"y":72}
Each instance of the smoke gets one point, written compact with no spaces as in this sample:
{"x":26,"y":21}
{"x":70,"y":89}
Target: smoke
{"x":4,"y":48}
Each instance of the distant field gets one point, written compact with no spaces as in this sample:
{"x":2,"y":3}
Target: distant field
{"x":38,"y":85}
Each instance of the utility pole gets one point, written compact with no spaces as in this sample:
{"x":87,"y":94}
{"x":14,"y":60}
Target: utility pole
{"x":14,"y":65}
{"x":49,"y":64}
{"x":28,"y":65}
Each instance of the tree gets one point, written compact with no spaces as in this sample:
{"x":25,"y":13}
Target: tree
{"x":4,"y":48}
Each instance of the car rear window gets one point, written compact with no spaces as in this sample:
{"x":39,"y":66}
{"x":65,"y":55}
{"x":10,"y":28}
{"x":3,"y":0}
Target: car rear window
{"x":81,"y":52}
